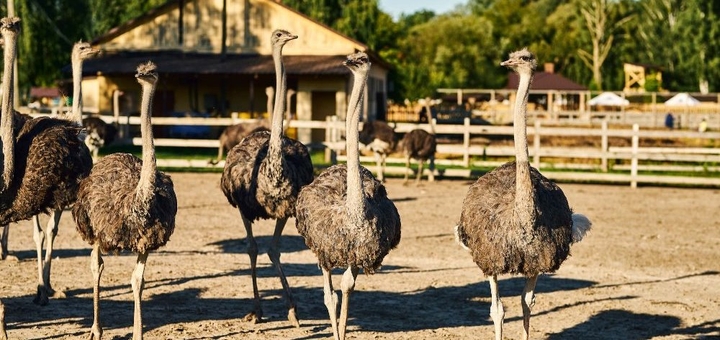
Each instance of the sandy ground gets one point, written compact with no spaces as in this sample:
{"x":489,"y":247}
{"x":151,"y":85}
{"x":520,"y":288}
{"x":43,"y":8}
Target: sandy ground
{"x":648,"y":270}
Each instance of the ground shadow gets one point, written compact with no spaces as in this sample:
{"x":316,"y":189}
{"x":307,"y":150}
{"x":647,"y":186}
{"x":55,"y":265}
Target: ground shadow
{"x":27,"y":254}
{"x":620,"y":324}
{"x":288,"y":244}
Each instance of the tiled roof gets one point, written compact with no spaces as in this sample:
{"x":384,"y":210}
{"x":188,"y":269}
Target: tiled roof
{"x":174,"y":62}
{"x":546,"y":81}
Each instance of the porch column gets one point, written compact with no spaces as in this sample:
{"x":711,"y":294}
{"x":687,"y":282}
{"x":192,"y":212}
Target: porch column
{"x":304,"y":112}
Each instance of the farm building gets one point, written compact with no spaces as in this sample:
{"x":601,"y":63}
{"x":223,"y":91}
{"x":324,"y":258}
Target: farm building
{"x":214,"y":59}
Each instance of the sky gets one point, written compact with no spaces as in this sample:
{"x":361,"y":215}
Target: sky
{"x":395,"y":7}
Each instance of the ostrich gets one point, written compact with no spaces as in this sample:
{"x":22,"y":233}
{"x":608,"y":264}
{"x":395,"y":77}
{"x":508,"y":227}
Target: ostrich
{"x":43,"y":167}
{"x":378,"y":137}
{"x":127,"y":204}
{"x":262,"y":178}
{"x":99,"y":134}
{"x":234,"y":134}
{"x":345,"y":215}
{"x":420,"y":145}
{"x":514,"y":220}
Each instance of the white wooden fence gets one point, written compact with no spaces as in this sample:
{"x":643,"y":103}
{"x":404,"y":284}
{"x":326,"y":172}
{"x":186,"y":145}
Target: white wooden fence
{"x":589,"y":164}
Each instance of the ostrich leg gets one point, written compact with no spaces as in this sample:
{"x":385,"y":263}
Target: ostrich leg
{"x":431,"y":167}
{"x":330,"y":301}
{"x":528,"y":301}
{"x":3,"y":334}
{"x":379,"y":160}
{"x":50,"y":234}
{"x":96,"y":266}
{"x":274,"y":254}
{"x":347,"y":285}
{"x":497,"y":312}
{"x":41,"y":298}
{"x":256,"y":314}
{"x":138,"y":282}
{"x":407,"y":169}
{"x":420,"y":171}
{"x":4,"y":242}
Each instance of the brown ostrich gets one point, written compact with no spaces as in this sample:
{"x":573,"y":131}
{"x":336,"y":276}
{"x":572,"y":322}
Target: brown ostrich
{"x":378,"y":137}
{"x":234,"y":134}
{"x":345,"y":216}
{"x":514,"y":220}
{"x":262,"y":178}
{"x":42,"y":168}
{"x":420,"y":145}
{"x":126,"y":204}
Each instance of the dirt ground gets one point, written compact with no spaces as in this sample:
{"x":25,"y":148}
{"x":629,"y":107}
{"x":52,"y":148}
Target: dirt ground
{"x":648,"y":270}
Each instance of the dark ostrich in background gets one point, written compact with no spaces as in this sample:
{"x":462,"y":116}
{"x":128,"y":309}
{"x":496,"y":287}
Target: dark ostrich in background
{"x":262,"y":178}
{"x":514,"y":220}
{"x":42,"y":169}
{"x":345,"y":216}
{"x":99,"y":134}
{"x":420,"y":145}
{"x":126,"y":204}
{"x":378,"y":137}
{"x":234,"y":134}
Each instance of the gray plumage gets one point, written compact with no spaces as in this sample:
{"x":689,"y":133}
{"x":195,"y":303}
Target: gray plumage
{"x":378,"y":137}
{"x":345,"y":215}
{"x":44,"y":174}
{"x":420,"y":145}
{"x":99,"y":134}
{"x":262,"y":178}
{"x":127,"y":204}
{"x":514,"y":220}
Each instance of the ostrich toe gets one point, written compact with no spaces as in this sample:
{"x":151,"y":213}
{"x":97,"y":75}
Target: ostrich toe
{"x":41,"y":297}
{"x":254,"y":316}
{"x":292,"y":317}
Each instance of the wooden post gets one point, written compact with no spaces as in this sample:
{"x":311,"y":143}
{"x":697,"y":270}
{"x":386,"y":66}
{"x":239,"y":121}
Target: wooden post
{"x":634,"y":162}
{"x":459,"y":97}
{"x":330,"y":156}
{"x":466,"y":142}
{"x":536,"y":145}
{"x":604,"y":147}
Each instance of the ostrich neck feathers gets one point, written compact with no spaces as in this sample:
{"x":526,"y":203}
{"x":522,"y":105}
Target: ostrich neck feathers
{"x":428,"y":113}
{"x":148,"y":173}
{"x":524,"y":196}
{"x":275,"y":147}
{"x":7,"y":121}
{"x":76,"y":115}
{"x":355,"y":200}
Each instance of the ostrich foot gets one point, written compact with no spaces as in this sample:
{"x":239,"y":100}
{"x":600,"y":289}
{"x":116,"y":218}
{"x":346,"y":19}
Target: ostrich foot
{"x":293,"y":318}
{"x":95,"y":332}
{"x":254,"y":316}
{"x":41,"y":298}
{"x":10,"y":258}
{"x":56,"y":294}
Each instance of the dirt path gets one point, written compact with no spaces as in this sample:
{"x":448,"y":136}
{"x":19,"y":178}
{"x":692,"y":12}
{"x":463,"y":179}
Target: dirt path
{"x":649,"y":269}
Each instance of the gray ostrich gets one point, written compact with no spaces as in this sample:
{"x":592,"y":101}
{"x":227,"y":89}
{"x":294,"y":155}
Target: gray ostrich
{"x":262,"y":178}
{"x":345,"y":216}
{"x":378,"y":137}
{"x":514,"y":220}
{"x":127,"y":204}
{"x":420,"y":145}
{"x":234,"y":134}
{"x":43,"y":166}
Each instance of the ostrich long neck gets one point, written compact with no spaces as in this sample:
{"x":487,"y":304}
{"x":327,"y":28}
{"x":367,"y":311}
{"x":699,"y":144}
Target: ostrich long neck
{"x":524,"y":197}
{"x":77,"y":91}
{"x":428,"y":113}
{"x":355,"y":201}
{"x":149,"y":169}
{"x":275,"y":147}
{"x":7,"y":121}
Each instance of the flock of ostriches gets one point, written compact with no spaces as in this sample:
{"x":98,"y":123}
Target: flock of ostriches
{"x":513,"y":219}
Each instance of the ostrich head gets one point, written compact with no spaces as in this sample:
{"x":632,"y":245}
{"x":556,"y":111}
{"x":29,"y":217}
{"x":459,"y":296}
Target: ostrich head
{"x":357,"y":62}
{"x":8,"y":25}
{"x":281,"y":37}
{"x":147,"y":73}
{"x":522,"y":61}
{"x":82,"y":51}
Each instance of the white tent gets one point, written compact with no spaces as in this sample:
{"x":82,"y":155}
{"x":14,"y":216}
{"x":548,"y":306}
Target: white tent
{"x":608,"y":99}
{"x":682,"y":99}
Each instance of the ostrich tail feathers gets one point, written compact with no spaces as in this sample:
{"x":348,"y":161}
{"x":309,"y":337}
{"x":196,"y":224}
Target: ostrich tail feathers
{"x":458,"y":238}
{"x":580,"y":226}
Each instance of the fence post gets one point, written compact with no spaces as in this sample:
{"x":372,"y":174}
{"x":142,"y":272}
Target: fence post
{"x":466,"y":142}
{"x":604,"y":147}
{"x":536,"y":145}
{"x":330,"y":138}
{"x":634,"y":162}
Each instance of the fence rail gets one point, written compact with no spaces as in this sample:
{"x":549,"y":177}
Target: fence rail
{"x":462,"y":152}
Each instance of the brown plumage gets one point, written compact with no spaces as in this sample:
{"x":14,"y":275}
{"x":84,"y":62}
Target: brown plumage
{"x":514,"y":220}
{"x":420,"y":145}
{"x":44,"y":174}
{"x":127,"y":204}
{"x":378,"y":137}
{"x":262,"y":178}
{"x":345,"y":216}
{"x":234,"y":134}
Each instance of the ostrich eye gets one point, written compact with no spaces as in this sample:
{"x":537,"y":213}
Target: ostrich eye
{"x":278,"y":34}
{"x":364,"y":60}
